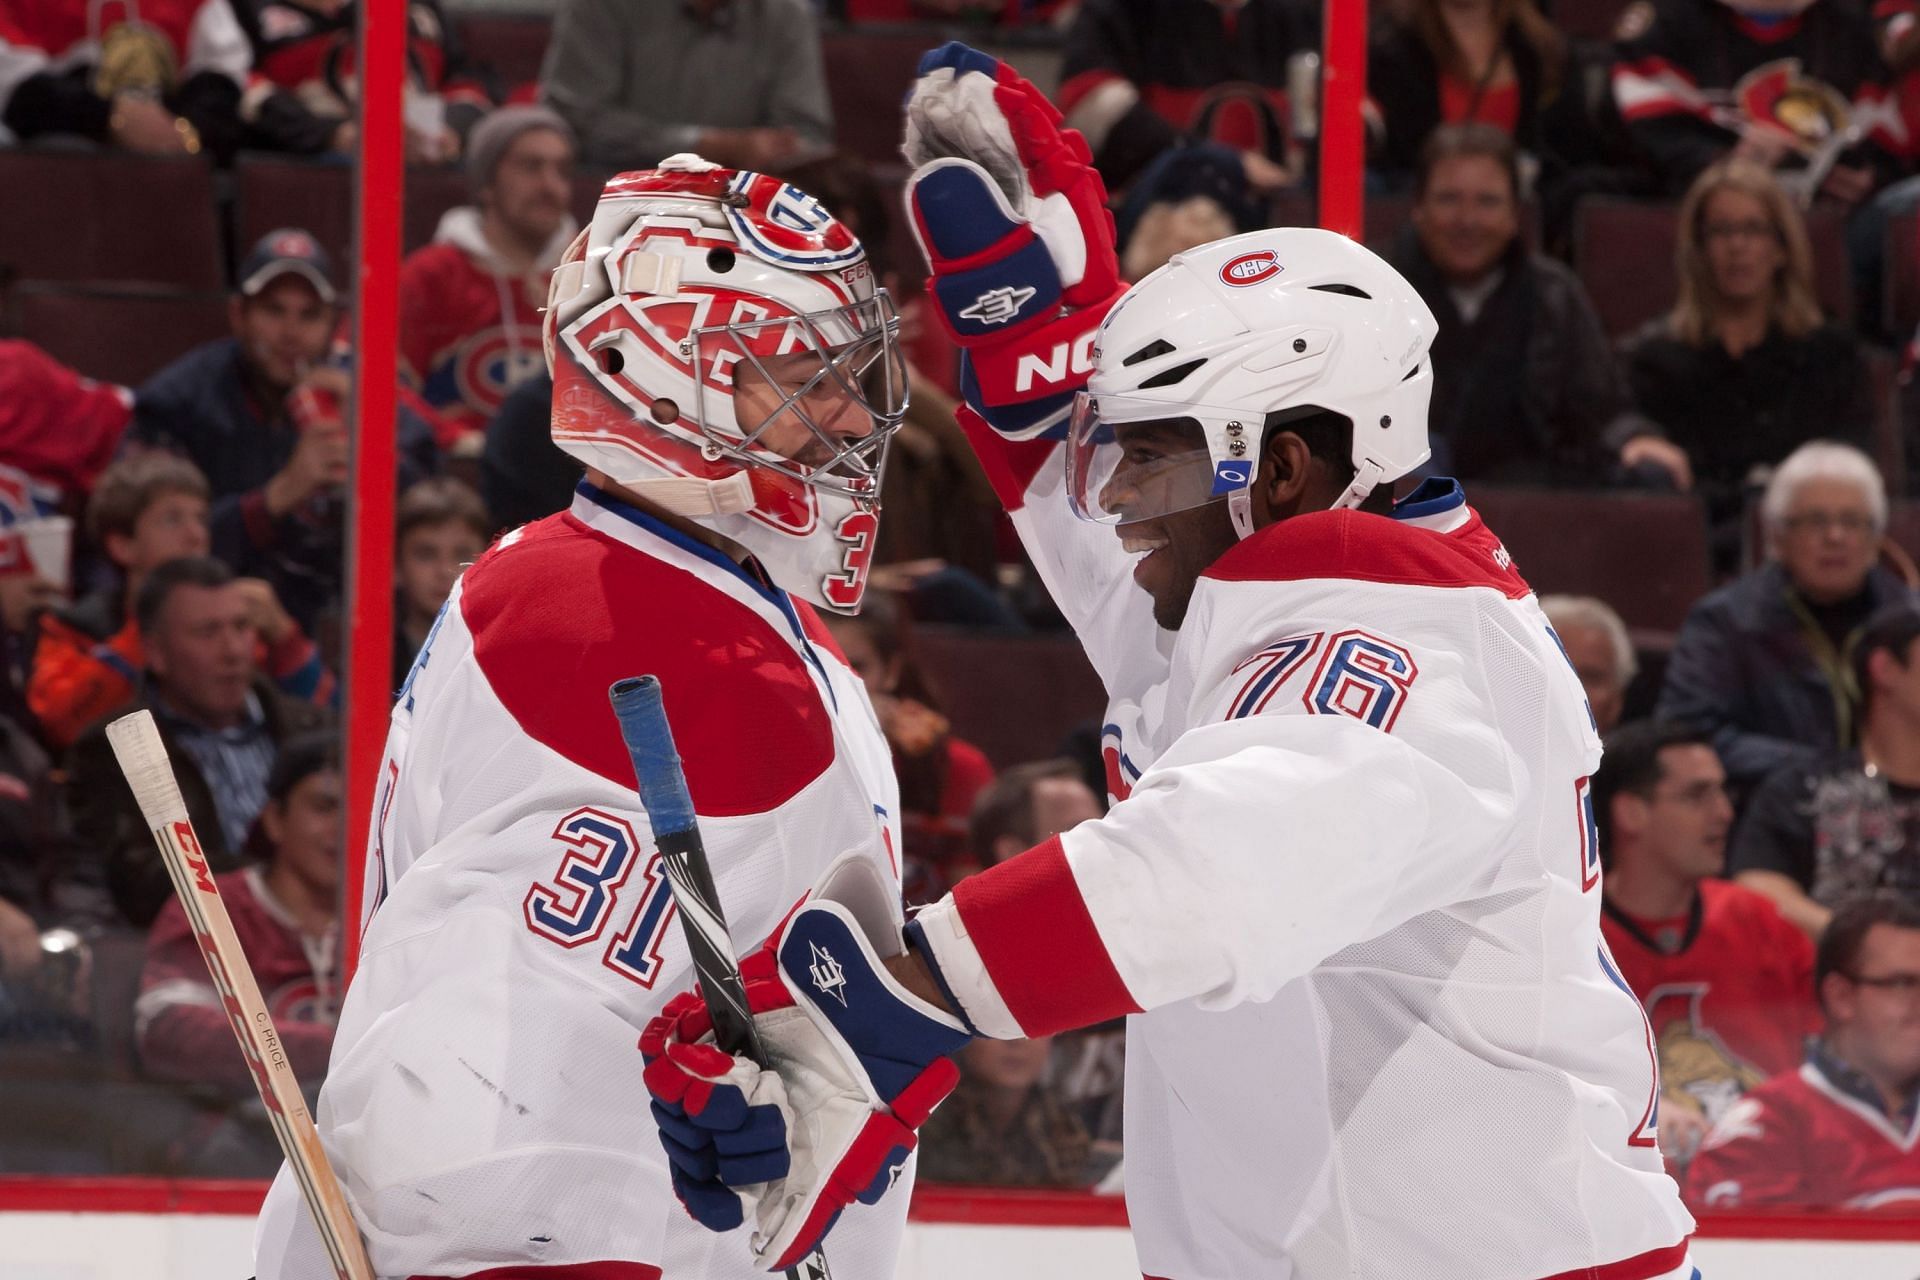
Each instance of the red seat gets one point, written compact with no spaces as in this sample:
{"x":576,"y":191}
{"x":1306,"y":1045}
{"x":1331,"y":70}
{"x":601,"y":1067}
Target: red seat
{"x":430,"y":193}
{"x":99,"y":216}
{"x":116,"y":335}
{"x":1014,"y":697}
{"x":1643,"y":553}
{"x":1903,"y":526}
{"x":1623,"y":252}
{"x":314,"y":195}
{"x":511,"y":45}
{"x":1888,"y":446}
{"x":868,"y":75}
{"x":1589,"y":19}
{"x":1901,"y":290}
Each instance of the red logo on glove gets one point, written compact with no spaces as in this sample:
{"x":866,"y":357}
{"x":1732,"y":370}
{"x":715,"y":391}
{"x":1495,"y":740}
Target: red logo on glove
{"x":1250,"y":268}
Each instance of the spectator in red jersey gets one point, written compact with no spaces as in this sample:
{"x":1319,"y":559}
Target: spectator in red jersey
{"x":1601,"y":651}
{"x":1524,"y":381}
{"x":441,"y":529}
{"x":1842,"y":1132}
{"x":1493,"y":62}
{"x":148,"y":508}
{"x":940,"y":774}
{"x":285,"y":912}
{"x":1143,"y":75}
{"x":1726,"y":981}
{"x":307,"y":48}
{"x":58,"y":432}
{"x":1845,"y":823}
{"x":1773,"y":84}
{"x":222,"y":723}
{"x":470,"y":302}
{"x":162,"y":77}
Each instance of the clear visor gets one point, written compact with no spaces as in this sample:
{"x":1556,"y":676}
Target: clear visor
{"x":1128,"y":462}
{"x":816,"y":397}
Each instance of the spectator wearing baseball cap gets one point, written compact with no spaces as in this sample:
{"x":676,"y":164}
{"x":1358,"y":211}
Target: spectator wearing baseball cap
{"x":230,"y":408}
{"x":470,"y":302}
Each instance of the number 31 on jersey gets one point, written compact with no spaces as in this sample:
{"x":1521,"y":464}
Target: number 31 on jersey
{"x":573,"y":909}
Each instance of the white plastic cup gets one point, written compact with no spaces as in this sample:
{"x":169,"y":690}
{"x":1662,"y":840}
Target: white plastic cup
{"x":50,"y":546}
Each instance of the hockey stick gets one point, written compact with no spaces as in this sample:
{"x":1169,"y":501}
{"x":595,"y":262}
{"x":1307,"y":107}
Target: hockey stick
{"x":663,"y":794}
{"x":143,"y":758}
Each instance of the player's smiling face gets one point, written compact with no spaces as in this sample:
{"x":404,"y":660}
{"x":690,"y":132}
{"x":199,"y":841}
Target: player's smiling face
{"x":1164,"y":469}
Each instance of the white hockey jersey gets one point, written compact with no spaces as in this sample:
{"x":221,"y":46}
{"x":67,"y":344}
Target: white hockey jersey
{"x":1352,"y":880}
{"x":484,"y":1104}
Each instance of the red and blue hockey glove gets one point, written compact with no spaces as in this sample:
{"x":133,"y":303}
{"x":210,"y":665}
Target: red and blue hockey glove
{"x":1012,"y":219}
{"x":856,"y":1064}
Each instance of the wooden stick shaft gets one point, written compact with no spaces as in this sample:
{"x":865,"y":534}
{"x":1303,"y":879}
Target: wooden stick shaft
{"x":143,"y":758}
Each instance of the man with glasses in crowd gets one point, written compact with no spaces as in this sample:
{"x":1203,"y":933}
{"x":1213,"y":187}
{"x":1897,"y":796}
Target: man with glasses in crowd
{"x":1840,"y":1132}
{"x":1762,"y":664}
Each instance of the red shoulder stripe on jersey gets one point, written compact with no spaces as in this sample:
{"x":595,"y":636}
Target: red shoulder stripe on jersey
{"x":1370,"y":548}
{"x":562,"y":612}
{"x":1010,"y":465}
{"x":564,"y":1271}
{"x":1040,"y":946}
{"x":1642,"y":1266}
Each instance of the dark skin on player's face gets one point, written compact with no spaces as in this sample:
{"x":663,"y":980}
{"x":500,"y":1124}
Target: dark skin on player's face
{"x":1290,"y":480}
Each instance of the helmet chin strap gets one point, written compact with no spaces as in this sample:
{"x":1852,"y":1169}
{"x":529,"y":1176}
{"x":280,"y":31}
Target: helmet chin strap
{"x":1240,"y":511}
{"x":695,"y":499}
{"x":1366,"y":478}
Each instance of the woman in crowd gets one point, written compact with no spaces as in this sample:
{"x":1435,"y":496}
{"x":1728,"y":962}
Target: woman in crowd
{"x":1496,"y":62}
{"x":1745,"y":368}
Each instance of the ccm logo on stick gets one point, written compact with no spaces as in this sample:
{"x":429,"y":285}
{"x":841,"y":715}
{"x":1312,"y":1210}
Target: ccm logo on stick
{"x":1251,"y":268}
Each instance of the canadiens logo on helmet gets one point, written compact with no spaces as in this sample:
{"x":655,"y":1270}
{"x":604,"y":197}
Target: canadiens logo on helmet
{"x":1251,"y":268}
{"x":778,"y":222}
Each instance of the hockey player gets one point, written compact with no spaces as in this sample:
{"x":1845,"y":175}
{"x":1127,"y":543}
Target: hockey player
{"x":1349,"y":887}
{"x":727,"y":372}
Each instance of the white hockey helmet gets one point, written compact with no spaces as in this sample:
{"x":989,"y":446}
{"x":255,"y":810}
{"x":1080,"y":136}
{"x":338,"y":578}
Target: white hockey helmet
{"x":689,"y":275}
{"x":1293,"y":318}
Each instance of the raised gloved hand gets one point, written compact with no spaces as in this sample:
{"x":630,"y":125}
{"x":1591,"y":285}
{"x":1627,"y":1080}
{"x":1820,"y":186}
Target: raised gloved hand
{"x":1012,"y":219}
{"x":856,"y":1064}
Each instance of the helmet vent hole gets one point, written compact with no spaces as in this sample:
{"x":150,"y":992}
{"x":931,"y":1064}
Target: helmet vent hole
{"x":1345,"y":291}
{"x":1158,"y":347}
{"x":612,"y":361}
{"x":719,"y":261}
{"x":1168,"y":377}
{"x":665,"y":412}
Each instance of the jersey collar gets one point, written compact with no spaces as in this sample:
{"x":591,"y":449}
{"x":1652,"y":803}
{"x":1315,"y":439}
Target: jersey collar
{"x":1439,"y":504}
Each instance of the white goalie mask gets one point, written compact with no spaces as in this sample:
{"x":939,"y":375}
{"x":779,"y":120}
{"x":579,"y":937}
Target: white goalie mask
{"x":718,"y":346}
{"x":1201,"y":351}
